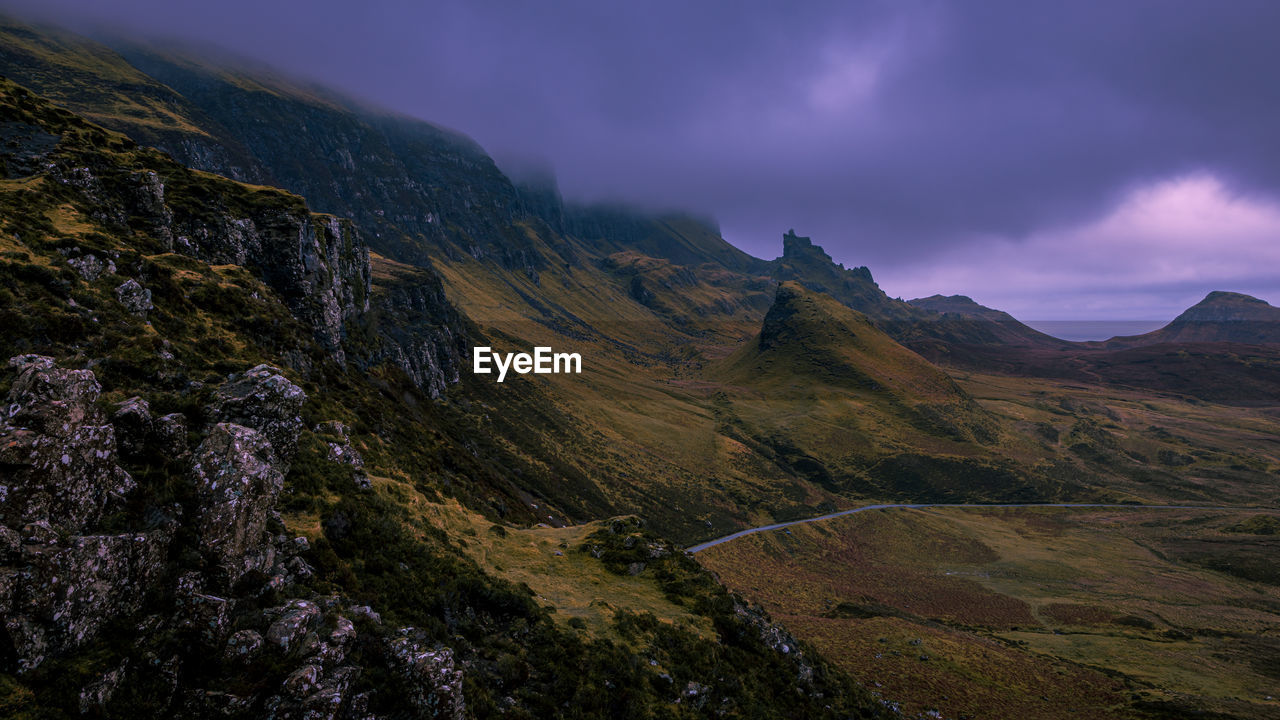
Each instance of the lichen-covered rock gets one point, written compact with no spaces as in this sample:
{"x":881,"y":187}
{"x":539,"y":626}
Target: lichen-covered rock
{"x":333,"y":649}
{"x":331,"y":698}
{"x":262,"y":398}
{"x":67,"y":591}
{"x":133,"y":424}
{"x":435,"y":684}
{"x":59,"y":451}
{"x":237,"y":482}
{"x":243,"y":646}
{"x":342,"y":451}
{"x":207,"y":616}
{"x":50,"y":399}
{"x":169,"y":432}
{"x":309,"y":693}
{"x":28,"y":640}
{"x":95,"y":696}
{"x":295,"y":621}
{"x":367,"y":613}
{"x":135,"y":298}
{"x":302,"y":682}
{"x":91,"y":267}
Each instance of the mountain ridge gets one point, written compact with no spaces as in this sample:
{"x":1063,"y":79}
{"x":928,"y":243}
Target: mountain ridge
{"x":1221,"y":317}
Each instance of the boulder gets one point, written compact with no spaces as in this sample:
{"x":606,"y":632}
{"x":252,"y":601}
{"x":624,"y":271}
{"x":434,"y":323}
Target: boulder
{"x":331,"y":698}
{"x":69,"y":590}
{"x":49,"y":399}
{"x":135,"y":298}
{"x":302,"y":682}
{"x":243,"y":646}
{"x":95,"y":696}
{"x":311,"y":694}
{"x":333,"y":649}
{"x":295,"y":621}
{"x":169,"y":432}
{"x":263,"y":399}
{"x":91,"y":267}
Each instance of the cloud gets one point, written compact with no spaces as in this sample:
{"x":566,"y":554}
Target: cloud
{"x":894,"y":133}
{"x":1159,"y":250}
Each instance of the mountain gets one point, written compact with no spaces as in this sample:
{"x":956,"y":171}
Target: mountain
{"x":288,"y":489}
{"x":950,"y":333}
{"x":808,"y":335}
{"x":1221,"y":317}
{"x":230,"y":491}
{"x":961,"y":305}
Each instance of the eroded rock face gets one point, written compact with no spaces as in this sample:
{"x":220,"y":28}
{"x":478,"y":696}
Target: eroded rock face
{"x":435,"y":682}
{"x":263,"y":399}
{"x":237,"y":483}
{"x":420,"y":331}
{"x":318,"y":264}
{"x":58,"y":451}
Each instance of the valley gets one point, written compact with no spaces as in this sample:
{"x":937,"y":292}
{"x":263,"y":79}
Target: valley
{"x":1031,"y":612}
{"x":246,"y":322}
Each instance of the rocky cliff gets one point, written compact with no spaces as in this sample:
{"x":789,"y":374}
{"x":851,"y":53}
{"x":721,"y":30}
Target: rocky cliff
{"x":413,"y":188}
{"x":317,"y":264}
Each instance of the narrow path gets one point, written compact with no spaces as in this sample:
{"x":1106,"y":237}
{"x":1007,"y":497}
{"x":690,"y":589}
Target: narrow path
{"x":751,"y":531}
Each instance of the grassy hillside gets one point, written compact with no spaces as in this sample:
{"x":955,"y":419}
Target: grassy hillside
{"x":73,"y":234}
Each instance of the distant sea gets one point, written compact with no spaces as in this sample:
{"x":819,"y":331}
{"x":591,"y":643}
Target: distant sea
{"x":1081,"y":330}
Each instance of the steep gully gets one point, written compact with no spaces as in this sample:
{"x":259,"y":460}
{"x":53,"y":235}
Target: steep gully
{"x":916,"y":506}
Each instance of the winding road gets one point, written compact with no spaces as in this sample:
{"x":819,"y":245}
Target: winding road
{"x":777,"y":526}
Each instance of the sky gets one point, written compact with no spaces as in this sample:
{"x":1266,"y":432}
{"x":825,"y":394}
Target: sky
{"x":1057,"y":160}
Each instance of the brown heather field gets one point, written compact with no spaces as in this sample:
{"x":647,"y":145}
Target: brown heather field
{"x":1032,"y":613}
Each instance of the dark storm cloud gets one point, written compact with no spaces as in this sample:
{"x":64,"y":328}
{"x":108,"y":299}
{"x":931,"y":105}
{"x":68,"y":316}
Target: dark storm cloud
{"x":892,"y":132}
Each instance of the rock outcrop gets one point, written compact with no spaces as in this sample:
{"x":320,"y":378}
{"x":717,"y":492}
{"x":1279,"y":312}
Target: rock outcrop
{"x":135,"y":298}
{"x":435,"y":684}
{"x":57,"y":448}
{"x":417,"y":329}
{"x":341,"y":451}
{"x":262,"y":399}
{"x":59,"y":584}
{"x":237,"y":482}
{"x":318,"y":264}
{"x":62,"y":585}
